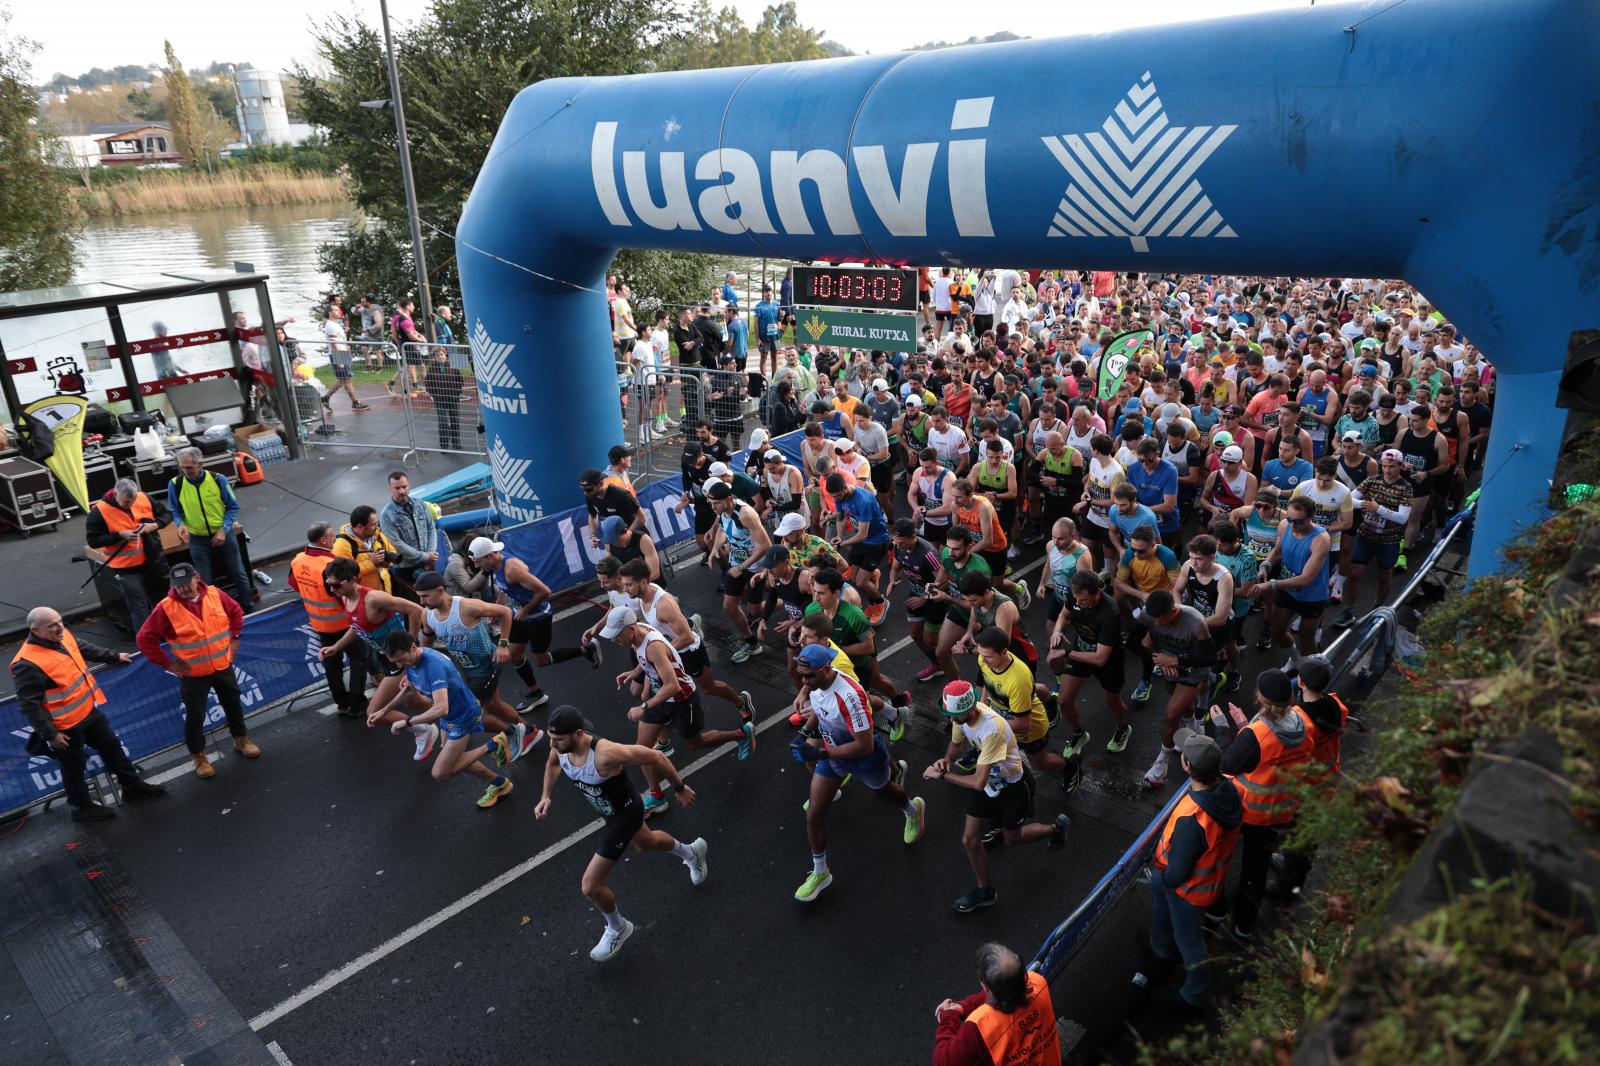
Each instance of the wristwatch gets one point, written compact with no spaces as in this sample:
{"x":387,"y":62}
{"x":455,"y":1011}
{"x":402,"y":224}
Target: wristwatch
{"x":503,"y":643}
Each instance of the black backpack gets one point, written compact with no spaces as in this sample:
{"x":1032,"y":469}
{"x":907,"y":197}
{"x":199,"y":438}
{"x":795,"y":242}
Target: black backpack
{"x":35,"y":439}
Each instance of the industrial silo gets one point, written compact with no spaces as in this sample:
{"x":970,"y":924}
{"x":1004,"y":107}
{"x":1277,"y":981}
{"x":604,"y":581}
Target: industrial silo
{"x":263,"y":119}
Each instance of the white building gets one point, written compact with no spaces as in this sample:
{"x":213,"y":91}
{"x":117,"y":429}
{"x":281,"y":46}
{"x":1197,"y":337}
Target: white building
{"x":263,"y":118}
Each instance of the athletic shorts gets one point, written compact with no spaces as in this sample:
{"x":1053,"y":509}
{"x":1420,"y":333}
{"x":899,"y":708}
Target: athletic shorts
{"x":687,"y":715}
{"x":866,"y":556}
{"x":1109,"y":674}
{"x":1304,"y":608}
{"x":735,"y":585}
{"x":535,"y":632}
{"x":1036,"y":745}
{"x":485,"y":687}
{"x":768,"y":345}
{"x":871,"y":770}
{"x":704,"y":518}
{"x":1383,"y":556}
{"x":695,"y":661}
{"x":958,"y":615}
{"x":1088,"y":531}
{"x":1234,"y":632}
{"x":378,"y":663}
{"x":619,"y":829}
{"x":930,"y":614}
{"x":883,"y":475}
{"x":935,"y":533}
{"x":1009,"y":810}
{"x":865,"y":665}
{"x":341,"y":371}
{"x":997,"y":562}
{"x":455,"y":727}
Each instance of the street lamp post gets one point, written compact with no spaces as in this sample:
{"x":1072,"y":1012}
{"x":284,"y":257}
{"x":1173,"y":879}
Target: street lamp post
{"x":423,"y":292}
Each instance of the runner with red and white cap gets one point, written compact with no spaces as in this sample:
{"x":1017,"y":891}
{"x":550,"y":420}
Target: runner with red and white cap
{"x":841,"y":744}
{"x":667,"y":696}
{"x":1382,"y":505}
{"x":1001,"y":785}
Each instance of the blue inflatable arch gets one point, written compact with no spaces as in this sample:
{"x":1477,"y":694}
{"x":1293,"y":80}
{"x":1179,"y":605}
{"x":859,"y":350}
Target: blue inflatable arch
{"x":1453,"y":143}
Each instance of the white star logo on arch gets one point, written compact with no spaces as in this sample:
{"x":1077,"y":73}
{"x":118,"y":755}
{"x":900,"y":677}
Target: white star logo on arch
{"x":1135,"y":178}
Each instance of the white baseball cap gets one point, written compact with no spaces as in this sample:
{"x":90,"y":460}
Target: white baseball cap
{"x":772,"y":455}
{"x":482,"y":546}
{"x":913,"y":400}
{"x":791,"y":523}
{"x":1351,"y":434}
{"x":1233,"y":454}
{"x":618,"y":619}
{"x":880,"y":384}
{"x":844,"y":444}
{"x":719,"y":469}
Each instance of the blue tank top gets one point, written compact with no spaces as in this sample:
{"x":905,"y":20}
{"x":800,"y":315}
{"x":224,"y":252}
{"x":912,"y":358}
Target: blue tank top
{"x":740,"y":543}
{"x":515,"y":592}
{"x":470,"y":647}
{"x":1296,"y":553}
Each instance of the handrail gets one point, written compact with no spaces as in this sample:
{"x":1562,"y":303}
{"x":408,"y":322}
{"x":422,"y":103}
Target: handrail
{"x":1074,"y":930}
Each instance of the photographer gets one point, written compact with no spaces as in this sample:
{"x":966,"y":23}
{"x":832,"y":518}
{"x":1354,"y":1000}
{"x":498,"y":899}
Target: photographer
{"x":362,"y":541}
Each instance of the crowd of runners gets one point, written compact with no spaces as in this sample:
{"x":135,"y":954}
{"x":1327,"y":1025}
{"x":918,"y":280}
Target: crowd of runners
{"x":1267,"y":444}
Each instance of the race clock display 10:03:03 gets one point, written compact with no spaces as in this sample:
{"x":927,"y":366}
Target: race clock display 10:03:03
{"x":877,"y":288}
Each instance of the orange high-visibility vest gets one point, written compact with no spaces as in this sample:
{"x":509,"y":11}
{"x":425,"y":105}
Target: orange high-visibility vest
{"x":322,"y":607}
{"x":1026,"y":1036}
{"x":204,"y":642}
{"x":1267,"y":791}
{"x":1205,"y":882}
{"x":73,"y":692}
{"x":1325,"y":745}
{"x":117,"y":520}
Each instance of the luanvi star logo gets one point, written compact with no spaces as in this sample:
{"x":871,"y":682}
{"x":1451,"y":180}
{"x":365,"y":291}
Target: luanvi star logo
{"x":1136,"y":178}
{"x":815,"y":327}
{"x":514,"y":496}
{"x":489,"y":360}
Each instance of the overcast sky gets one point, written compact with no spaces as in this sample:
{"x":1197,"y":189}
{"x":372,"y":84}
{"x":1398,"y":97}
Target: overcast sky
{"x":75,"y":35}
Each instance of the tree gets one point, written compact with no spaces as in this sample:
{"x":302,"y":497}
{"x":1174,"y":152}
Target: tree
{"x":460,"y":67}
{"x":147,"y":106}
{"x":39,"y":219}
{"x":188,"y":130}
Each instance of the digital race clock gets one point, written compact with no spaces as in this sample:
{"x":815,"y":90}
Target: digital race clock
{"x":875,"y":288}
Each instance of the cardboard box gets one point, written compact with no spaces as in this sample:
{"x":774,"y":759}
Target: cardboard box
{"x":251,"y":429}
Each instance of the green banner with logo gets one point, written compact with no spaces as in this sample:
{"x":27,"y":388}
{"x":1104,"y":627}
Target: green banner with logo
{"x":856,"y":329}
{"x":1114,"y":360}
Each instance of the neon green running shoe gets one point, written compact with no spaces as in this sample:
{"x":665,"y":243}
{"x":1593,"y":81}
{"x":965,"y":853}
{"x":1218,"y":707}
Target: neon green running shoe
{"x":812,"y":886}
{"x":914,"y":825}
{"x":492,"y":794}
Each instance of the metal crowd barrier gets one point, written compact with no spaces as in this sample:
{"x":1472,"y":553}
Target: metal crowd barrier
{"x":1364,"y":645}
{"x":337,"y":425}
{"x":446,"y":412}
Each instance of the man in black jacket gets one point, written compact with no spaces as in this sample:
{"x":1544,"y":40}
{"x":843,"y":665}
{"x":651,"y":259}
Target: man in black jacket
{"x":125,"y":524}
{"x":61,"y":701}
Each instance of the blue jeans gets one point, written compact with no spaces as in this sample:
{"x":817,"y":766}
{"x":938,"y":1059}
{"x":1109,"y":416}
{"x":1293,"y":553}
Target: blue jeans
{"x":207,"y":557}
{"x":1178,"y":928}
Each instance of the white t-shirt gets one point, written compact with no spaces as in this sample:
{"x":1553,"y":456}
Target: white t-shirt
{"x":644,"y":353}
{"x":950,"y":444}
{"x":941,"y":293}
{"x":333,"y":330}
{"x":659,"y":344}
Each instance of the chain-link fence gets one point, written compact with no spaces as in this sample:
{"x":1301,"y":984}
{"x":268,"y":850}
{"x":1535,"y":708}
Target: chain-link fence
{"x":673,"y":401}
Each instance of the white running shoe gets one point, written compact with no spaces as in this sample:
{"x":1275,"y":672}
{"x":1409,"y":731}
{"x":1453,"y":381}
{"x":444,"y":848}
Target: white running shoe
{"x":611,"y":943}
{"x":699,"y":868}
{"x":1294,"y":627}
{"x":427,"y":737}
{"x":1156,"y":776}
{"x":528,"y":737}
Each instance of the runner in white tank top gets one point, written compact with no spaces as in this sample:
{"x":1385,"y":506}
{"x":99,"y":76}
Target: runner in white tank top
{"x":648,"y":600}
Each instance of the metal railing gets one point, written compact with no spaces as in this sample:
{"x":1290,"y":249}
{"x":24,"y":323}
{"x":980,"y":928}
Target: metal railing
{"x":1372,"y":636}
{"x":689,"y":395}
{"x":326,"y":411}
{"x":445,"y":411}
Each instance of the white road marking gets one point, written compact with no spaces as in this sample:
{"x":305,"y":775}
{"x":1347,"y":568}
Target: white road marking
{"x":335,"y":978}
{"x":277,"y":1054}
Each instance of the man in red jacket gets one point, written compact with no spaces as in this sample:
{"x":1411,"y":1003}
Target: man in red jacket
{"x":1010,"y":1022}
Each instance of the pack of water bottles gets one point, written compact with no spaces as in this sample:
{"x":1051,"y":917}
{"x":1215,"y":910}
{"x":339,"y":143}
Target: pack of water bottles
{"x":267,"y":448}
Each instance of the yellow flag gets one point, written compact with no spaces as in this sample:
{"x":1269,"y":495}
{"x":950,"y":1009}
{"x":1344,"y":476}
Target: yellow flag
{"x":64,"y":416}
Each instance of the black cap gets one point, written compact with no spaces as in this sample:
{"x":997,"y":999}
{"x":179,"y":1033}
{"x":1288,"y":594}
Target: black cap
{"x":692,"y":449}
{"x":567,"y":719}
{"x":905,"y":527}
{"x":1274,"y":685}
{"x":590,"y":477}
{"x":618,"y":451}
{"x":429,"y":581}
{"x":718,"y":490}
{"x":1315,"y":673}
{"x":775,"y":555}
{"x":182,"y":574}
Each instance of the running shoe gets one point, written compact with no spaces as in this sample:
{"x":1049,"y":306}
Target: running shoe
{"x":1024,"y":597}
{"x":1400,"y":563}
{"x":533,"y":701}
{"x":812,"y":886}
{"x":993,"y":836}
{"x":877,"y":613}
{"x":669,"y":423}
{"x":1052,"y":707}
{"x":1013,"y":553}
{"x":1294,"y":626}
{"x":1074,"y":746}
{"x":664,"y":746}
{"x":1141,"y":691}
{"x":611,"y":942}
{"x":1346,"y":619}
{"x":694,"y":624}
{"x":492,"y":794}
{"x":500,"y":749}
{"x":1058,"y":832}
{"x":897,"y":772}
{"x":1265,"y":643}
{"x":914,"y":825}
{"x":360,"y":407}
{"x":929,"y":672}
{"x":1156,"y":776}
{"x":1119,"y":739}
{"x":742,"y":653}
{"x":968,"y":762}
{"x":897,"y":727}
{"x":747,"y":706}
{"x":1072,"y":776}
{"x":654,"y":804}
{"x":425,"y":742}
{"x":594,"y":654}
{"x":982,"y":896}
{"x":528,"y":738}
{"x":747,"y":741}
{"x":1219,"y":687}
{"x":806,"y":806}
{"x":698,"y":867}
{"x":1235,"y":681}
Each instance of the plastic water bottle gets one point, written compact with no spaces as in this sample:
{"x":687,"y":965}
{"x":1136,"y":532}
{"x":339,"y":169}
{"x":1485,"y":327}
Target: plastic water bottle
{"x":1140,"y":980}
{"x":995,"y":783}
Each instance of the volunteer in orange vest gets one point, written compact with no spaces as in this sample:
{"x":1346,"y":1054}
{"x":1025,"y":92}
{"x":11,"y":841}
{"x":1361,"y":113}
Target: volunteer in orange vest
{"x":329,"y":621}
{"x":123,"y":524}
{"x":200,"y":625}
{"x":1268,"y":759}
{"x":1191,"y":865}
{"x":1011,"y":1022}
{"x":1327,"y":717}
{"x":61,"y":701}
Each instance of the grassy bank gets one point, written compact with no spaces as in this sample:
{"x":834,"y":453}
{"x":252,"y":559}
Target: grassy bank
{"x":1490,"y":977}
{"x":145,"y":192}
